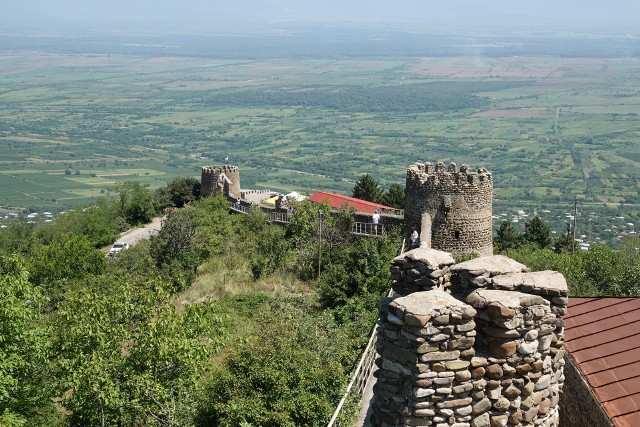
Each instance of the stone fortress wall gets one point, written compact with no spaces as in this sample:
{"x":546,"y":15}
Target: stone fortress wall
{"x":475,"y":344}
{"x":458,"y":204}
{"x":209,"y":180}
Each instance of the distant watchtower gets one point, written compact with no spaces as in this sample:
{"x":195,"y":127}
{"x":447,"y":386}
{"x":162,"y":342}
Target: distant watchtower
{"x":451,"y":209}
{"x":220,"y":179}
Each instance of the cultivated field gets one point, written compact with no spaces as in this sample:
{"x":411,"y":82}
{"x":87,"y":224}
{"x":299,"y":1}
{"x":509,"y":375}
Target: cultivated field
{"x":548,"y":128}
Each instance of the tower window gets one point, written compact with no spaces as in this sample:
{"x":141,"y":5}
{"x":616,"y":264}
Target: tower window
{"x":457,"y":234}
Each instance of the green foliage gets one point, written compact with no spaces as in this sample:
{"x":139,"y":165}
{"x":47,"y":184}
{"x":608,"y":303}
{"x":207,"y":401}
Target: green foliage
{"x":507,"y":237}
{"x":179,"y":246}
{"x":394,"y":196}
{"x":536,"y":231}
{"x":69,"y":257}
{"x":178,"y":192}
{"x":126,"y":357}
{"x":136,"y":204}
{"x":306,"y":218}
{"x":290,"y":374}
{"x":271,"y":250}
{"x":98,"y":223}
{"x":598,"y":271}
{"x":356,"y":269}
{"x":17,"y":238}
{"x":367,"y":188}
{"x":24,"y":350}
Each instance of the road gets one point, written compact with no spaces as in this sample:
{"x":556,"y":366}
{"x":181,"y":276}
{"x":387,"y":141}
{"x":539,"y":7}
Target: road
{"x":134,"y":235}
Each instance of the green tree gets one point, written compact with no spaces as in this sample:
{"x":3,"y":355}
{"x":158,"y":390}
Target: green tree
{"x":24,"y":350}
{"x":394,"y":196}
{"x":68,"y":258}
{"x":179,"y":246}
{"x":367,"y":188}
{"x":136,"y":203}
{"x":507,"y":237}
{"x":178,"y":192}
{"x":357,"y":269}
{"x":279,"y":379}
{"x":536,"y":231}
{"x":127,"y":357}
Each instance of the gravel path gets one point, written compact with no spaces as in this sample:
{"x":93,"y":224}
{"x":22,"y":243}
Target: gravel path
{"x":135,"y":235}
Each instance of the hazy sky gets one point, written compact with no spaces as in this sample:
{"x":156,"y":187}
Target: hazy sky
{"x":555,"y":13}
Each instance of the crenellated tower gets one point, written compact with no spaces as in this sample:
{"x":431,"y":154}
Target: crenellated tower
{"x":450,"y":208}
{"x":220,"y":179}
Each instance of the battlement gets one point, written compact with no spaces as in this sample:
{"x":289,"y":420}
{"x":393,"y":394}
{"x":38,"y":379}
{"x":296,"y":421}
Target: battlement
{"x":454,"y":205}
{"x":255,"y":196}
{"x":434,"y":174}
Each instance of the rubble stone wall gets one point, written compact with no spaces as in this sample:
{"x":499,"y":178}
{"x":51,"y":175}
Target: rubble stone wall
{"x":209,"y":179}
{"x":459,"y":202}
{"x":475,"y":344}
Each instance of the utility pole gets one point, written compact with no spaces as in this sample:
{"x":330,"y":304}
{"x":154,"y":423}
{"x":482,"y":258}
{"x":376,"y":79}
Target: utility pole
{"x":575,"y":214}
{"x":320,"y":215}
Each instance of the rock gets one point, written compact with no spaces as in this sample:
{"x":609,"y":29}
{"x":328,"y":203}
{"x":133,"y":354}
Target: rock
{"x":499,"y":420}
{"x":494,"y":371}
{"x":527,"y":347}
{"x":498,"y":310}
{"x":531,"y":335}
{"x":478,"y":372}
{"x":456,"y":365}
{"x":478,"y":361}
{"x":418,"y":320}
{"x":440,"y":356}
{"x":495,"y":265}
{"x":500,"y":332}
{"x":482,"y":406}
{"x":430,"y":257}
{"x":481,"y":421}
{"x":502,"y":348}
{"x":462,"y":376}
{"x":512,"y":392}
{"x":502,"y":404}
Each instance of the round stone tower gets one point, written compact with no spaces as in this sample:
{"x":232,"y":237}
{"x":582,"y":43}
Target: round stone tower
{"x":220,"y":179}
{"x":450,"y":208}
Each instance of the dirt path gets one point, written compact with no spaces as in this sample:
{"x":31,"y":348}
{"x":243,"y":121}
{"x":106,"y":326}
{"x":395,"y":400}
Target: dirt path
{"x":135,"y":235}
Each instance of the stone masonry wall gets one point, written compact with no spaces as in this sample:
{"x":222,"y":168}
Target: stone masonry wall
{"x":255,"y":196}
{"x":209,"y":178}
{"x":459,"y":202}
{"x":475,"y":344}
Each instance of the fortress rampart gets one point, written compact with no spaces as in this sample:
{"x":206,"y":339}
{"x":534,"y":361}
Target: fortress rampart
{"x":457,"y":204}
{"x":474,"y":344}
{"x":210,"y":182}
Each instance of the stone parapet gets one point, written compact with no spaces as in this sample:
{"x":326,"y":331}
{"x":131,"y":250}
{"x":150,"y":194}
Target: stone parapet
{"x":483,"y":347}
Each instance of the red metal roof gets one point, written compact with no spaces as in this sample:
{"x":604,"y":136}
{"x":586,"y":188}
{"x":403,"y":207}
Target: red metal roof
{"x":603,"y":337}
{"x":336,"y":201}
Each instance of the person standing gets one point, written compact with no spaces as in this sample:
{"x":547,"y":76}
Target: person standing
{"x":414,"y":238}
{"x":376,"y":220}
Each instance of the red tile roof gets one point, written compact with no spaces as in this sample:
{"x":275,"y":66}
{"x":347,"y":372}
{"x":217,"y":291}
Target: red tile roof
{"x":603,"y":337}
{"x":336,"y":201}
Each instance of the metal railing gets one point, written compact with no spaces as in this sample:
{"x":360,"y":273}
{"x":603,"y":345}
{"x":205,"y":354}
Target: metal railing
{"x":359,"y":379}
{"x":365,"y":366}
{"x":282,"y":217}
{"x":368,"y":229}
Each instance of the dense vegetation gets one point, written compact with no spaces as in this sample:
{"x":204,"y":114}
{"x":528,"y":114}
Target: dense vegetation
{"x":89,"y":340}
{"x":600,"y":271}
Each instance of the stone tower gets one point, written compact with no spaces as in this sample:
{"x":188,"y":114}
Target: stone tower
{"x":213,"y":181}
{"x":450,"y":208}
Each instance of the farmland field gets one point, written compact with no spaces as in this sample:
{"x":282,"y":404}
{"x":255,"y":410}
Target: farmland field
{"x":549,"y":128}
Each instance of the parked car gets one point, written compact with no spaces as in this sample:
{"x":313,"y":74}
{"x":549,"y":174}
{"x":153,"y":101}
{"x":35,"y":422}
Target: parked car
{"x":117,"y":248}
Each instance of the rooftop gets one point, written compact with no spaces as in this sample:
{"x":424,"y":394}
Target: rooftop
{"x":603,"y":338}
{"x":336,"y":201}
